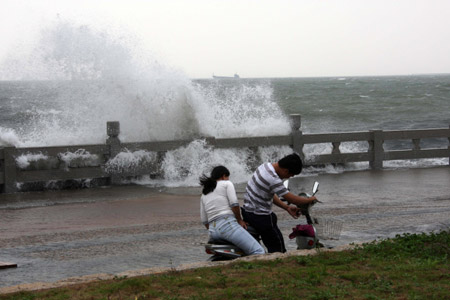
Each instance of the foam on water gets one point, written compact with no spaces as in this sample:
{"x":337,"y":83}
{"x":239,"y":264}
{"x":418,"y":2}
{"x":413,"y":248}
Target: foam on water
{"x":8,"y":137}
{"x":184,"y":166}
{"x":24,"y":161}
{"x":128,"y":161}
{"x":80,"y":158}
{"x":95,"y":77}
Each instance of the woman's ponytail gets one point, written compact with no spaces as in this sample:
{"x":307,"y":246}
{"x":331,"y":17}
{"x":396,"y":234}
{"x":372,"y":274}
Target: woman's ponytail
{"x":210,"y":183}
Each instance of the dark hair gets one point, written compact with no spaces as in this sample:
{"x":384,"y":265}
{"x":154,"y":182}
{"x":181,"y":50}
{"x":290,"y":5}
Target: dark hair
{"x":210,"y":183}
{"x":292,"y":162}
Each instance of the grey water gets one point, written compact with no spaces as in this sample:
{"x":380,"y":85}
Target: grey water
{"x":115,"y":234}
{"x":46,"y":113}
{"x":335,"y":104}
{"x":331,"y":104}
{"x":68,"y":112}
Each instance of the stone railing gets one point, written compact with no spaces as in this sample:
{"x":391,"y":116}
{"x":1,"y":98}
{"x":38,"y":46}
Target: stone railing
{"x":55,"y":163}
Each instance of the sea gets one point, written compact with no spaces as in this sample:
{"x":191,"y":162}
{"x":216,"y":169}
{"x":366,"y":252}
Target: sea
{"x":75,"y":112}
{"x":64,"y":93}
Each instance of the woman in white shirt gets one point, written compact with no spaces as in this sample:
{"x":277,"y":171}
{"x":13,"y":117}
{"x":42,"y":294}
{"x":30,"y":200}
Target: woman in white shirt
{"x":220,"y":212}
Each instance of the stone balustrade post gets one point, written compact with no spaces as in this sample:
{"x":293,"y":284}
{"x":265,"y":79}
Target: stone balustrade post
{"x":113,"y":131}
{"x":416,"y":144}
{"x":376,"y":148}
{"x":10,"y":170}
{"x":336,"y":148}
{"x":297,"y":135}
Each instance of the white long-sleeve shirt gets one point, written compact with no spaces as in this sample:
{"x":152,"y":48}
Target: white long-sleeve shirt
{"x":219,"y":202}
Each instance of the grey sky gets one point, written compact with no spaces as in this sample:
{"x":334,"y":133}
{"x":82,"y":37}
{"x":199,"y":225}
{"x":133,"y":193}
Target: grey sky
{"x":277,"y":38}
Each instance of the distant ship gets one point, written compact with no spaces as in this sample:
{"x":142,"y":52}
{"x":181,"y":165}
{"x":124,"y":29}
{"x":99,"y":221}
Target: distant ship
{"x":236,"y":76}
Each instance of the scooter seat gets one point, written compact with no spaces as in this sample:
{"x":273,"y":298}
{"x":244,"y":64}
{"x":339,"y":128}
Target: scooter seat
{"x":218,"y":242}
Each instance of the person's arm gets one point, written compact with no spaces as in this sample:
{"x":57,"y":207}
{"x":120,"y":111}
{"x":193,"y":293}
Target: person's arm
{"x":234,"y":204}
{"x":292,"y":210}
{"x":237,"y":214}
{"x":203,"y":217}
{"x":231,"y":193}
{"x":298,"y":200}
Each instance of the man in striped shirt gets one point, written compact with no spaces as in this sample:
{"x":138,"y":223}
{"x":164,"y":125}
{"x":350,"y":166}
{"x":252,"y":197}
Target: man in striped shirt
{"x":266,"y":188}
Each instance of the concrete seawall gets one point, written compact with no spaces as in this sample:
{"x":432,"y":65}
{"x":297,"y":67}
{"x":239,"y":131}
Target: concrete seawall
{"x":59,"y":234}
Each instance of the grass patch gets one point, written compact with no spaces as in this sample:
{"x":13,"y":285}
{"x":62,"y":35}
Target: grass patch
{"x":409,"y":266}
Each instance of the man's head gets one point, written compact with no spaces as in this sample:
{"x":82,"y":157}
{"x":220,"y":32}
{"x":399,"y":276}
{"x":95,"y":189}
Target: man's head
{"x":290,"y":165}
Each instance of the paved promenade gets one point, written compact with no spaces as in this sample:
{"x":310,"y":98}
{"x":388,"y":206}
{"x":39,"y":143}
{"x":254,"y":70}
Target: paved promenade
{"x":59,"y":234}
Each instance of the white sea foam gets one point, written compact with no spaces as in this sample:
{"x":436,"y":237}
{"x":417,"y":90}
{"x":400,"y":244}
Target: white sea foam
{"x":128,"y":161}
{"x":99,"y":78}
{"x":415,"y":163}
{"x":184,"y":166}
{"x":79,"y":158}
{"x":273,"y":153}
{"x":114,"y":79}
{"x":8,"y":137}
{"x":24,"y":161}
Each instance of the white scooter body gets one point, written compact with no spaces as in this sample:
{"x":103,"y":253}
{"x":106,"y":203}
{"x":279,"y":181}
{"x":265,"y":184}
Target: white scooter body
{"x":308,"y":242}
{"x":224,"y":250}
{"x":305,"y":242}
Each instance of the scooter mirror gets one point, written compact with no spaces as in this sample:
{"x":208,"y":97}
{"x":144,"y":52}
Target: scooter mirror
{"x":315,"y":187}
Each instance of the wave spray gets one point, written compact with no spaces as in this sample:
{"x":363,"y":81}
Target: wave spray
{"x":86,"y":78}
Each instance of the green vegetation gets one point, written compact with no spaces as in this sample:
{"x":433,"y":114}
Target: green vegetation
{"x":410,"y":266}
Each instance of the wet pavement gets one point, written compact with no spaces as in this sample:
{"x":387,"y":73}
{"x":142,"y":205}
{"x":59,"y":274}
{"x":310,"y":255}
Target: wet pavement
{"x":58,"y":234}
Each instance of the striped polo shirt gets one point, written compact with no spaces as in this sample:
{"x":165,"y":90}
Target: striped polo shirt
{"x":261,"y":187}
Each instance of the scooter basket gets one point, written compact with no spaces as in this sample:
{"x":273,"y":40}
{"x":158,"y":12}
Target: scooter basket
{"x":328,"y":229}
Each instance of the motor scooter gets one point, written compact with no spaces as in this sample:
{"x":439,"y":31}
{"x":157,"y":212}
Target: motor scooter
{"x":306,"y":239}
{"x":223,"y":250}
{"x":306,"y":235}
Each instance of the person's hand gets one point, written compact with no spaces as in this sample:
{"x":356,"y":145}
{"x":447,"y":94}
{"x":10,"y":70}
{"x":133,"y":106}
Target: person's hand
{"x":293,"y":211}
{"x":243,"y":224}
{"x":313,"y":200}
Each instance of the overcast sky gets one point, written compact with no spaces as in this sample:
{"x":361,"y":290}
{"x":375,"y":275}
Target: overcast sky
{"x":254,"y":38}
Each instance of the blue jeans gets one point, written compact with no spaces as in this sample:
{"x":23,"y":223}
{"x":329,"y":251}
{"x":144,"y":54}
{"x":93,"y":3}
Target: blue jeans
{"x":227,"y":228}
